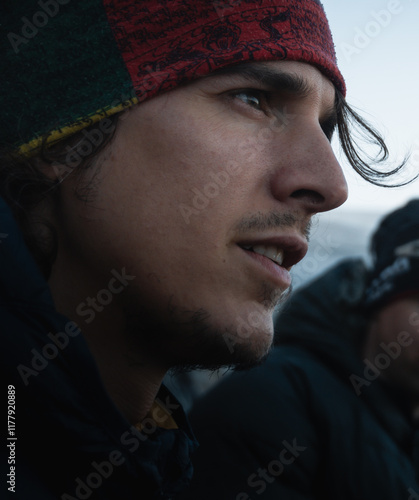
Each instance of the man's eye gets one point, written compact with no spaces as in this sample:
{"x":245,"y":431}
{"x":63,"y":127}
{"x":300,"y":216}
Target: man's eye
{"x":253,"y":98}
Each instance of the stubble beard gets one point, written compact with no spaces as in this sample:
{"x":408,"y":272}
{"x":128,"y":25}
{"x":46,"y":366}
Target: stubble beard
{"x":189,"y":340}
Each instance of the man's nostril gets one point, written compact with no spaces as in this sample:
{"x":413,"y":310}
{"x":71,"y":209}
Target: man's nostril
{"x":308,"y":195}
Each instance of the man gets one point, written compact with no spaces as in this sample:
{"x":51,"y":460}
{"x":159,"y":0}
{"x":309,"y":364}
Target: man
{"x":333,"y":411}
{"x":162,"y":161}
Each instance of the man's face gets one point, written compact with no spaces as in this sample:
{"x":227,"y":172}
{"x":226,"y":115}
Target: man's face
{"x":197,"y":185}
{"x":393,"y":343}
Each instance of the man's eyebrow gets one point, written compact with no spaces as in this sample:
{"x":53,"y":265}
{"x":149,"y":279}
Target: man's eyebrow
{"x":277,"y":80}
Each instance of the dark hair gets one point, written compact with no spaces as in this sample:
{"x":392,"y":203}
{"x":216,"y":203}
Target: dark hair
{"x":347,"y":120}
{"x":23,"y":186}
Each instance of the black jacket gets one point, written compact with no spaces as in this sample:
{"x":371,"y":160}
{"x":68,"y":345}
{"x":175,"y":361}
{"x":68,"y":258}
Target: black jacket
{"x":66,"y":438}
{"x":300,"y":427}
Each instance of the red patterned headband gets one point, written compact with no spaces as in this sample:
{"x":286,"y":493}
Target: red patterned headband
{"x":166,"y":43}
{"x":71,"y":63}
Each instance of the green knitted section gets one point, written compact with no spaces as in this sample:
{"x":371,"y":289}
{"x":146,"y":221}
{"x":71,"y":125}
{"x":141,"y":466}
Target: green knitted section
{"x":60,"y":67}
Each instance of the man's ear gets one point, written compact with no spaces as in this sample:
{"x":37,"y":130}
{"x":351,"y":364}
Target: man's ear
{"x":56,"y":171}
{"x":59,"y":171}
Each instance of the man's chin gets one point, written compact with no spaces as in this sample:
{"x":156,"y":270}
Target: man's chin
{"x":245,"y":355}
{"x":189,"y":340}
{"x":246,"y":363}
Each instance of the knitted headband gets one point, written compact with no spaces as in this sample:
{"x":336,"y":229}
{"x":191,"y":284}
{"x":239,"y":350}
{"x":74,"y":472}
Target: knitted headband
{"x":395,"y":248}
{"x":67,"y":64}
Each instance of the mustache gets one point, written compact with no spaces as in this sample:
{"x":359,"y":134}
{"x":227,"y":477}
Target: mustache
{"x":274,"y":220}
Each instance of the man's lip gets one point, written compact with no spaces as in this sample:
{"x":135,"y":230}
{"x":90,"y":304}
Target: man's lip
{"x":277,"y":274}
{"x":294,"y":247}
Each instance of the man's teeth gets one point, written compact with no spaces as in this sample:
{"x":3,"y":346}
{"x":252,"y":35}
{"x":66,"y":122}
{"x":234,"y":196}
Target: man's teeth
{"x":272,"y":252}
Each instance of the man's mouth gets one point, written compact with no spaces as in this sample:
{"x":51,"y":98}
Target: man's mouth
{"x":284,"y":251}
{"x":274,"y":253}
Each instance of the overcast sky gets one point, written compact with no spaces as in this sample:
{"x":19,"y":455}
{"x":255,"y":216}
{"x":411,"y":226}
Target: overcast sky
{"x":377,"y":45}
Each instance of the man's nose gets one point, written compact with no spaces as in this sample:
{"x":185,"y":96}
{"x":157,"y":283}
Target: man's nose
{"x":307,"y":175}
